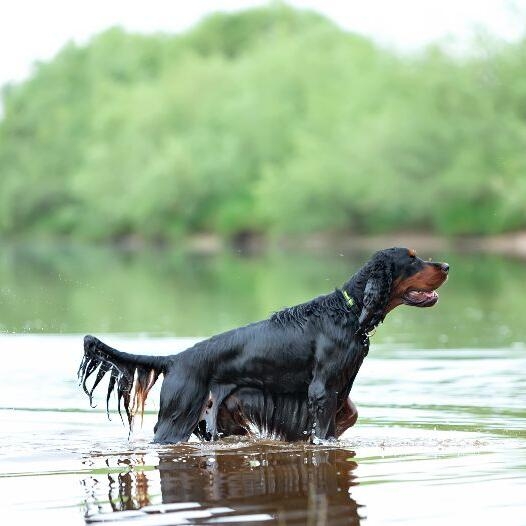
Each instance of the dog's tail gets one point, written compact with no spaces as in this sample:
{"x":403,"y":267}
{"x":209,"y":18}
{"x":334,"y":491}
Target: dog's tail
{"x":134,"y":375}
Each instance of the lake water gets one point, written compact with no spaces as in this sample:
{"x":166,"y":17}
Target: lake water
{"x":441,"y":437}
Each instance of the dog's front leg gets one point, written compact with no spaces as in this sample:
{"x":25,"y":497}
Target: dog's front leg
{"x":322,"y":405}
{"x":322,"y":394}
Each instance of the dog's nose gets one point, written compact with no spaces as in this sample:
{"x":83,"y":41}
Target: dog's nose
{"x":444,"y":267}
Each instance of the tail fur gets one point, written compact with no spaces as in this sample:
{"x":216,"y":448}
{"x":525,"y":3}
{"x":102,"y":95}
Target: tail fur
{"x":134,"y":375}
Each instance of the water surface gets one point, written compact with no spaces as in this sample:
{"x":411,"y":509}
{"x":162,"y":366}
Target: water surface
{"x":75,"y":290}
{"x":441,"y":437}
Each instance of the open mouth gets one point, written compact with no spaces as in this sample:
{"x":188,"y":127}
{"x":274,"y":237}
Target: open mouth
{"x":420,"y":298}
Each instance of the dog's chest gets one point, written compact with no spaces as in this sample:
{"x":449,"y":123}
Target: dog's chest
{"x":352,"y":360}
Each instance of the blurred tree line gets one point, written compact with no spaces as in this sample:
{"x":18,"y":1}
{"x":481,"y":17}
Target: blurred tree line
{"x":270,"y":120}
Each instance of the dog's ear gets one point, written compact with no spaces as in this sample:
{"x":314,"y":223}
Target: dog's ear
{"x":375,"y":298}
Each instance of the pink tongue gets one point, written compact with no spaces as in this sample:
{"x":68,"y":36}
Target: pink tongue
{"x":428,"y":295}
{"x":423,"y":295}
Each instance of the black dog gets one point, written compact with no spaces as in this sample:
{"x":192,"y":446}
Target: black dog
{"x":288,"y":376}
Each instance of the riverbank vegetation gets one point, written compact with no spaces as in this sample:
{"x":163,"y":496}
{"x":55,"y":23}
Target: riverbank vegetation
{"x":271,"y":121}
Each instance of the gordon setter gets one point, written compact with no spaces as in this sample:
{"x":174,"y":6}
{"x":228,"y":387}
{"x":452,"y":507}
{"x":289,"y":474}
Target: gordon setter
{"x":287,"y":377}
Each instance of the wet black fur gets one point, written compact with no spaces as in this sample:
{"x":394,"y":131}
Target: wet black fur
{"x":288,"y":376}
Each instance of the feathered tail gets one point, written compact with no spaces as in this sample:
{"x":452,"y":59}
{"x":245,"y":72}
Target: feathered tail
{"x":134,"y":375}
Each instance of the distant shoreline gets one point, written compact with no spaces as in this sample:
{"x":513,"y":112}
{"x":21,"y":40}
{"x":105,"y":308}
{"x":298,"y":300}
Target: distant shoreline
{"x":512,"y":244}
{"x":251,"y":243}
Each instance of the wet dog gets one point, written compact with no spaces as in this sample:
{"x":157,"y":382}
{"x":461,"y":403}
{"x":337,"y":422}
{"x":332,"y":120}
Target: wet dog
{"x":288,"y":376}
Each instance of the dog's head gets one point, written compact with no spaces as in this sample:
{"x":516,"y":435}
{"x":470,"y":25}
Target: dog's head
{"x":393,"y":277}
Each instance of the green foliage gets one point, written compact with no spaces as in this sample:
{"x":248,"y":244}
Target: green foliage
{"x":270,"y":120}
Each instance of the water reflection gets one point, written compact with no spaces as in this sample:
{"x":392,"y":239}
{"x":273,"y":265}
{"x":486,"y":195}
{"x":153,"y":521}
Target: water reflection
{"x":77,"y":290}
{"x":128,"y":490}
{"x":287,"y":484}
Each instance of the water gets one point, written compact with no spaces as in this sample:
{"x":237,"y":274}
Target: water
{"x":441,"y":437}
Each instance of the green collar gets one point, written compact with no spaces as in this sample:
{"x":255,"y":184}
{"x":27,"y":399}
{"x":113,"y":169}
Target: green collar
{"x":348,"y":299}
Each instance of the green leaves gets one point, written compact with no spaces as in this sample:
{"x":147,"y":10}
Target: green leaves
{"x":268,"y":120}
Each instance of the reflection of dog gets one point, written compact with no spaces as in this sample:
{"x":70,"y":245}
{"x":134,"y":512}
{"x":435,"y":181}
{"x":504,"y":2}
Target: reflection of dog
{"x":292,"y":485}
{"x":285,"y":376}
